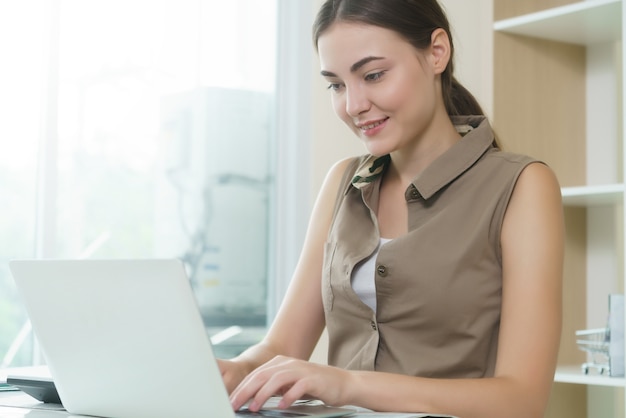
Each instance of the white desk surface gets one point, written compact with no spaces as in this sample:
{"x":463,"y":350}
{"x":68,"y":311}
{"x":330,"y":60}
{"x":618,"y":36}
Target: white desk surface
{"x":24,"y":406}
{"x":16,"y":404}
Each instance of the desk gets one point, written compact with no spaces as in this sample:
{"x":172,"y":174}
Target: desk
{"x":24,"y":406}
{"x":17,"y":404}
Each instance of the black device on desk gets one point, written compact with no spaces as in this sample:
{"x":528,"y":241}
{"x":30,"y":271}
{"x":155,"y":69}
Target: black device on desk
{"x":36,"y":382}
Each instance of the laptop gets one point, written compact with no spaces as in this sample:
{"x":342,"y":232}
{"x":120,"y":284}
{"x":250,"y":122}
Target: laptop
{"x":124,"y":338}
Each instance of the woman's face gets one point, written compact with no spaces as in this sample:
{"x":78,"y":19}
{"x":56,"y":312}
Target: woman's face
{"x":384,"y":89}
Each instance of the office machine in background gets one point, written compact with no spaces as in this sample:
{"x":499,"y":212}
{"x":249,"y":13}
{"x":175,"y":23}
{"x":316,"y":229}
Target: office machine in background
{"x":215,"y":163}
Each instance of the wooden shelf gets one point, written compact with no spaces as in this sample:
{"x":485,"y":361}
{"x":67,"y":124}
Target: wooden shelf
{"x":573,"y":374}
{"x":610,"y":194}
{"x":584,"y":23}
{"x":559,"y":67}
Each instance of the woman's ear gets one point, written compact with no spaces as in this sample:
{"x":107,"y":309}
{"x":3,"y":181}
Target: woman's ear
{"x":440,"y":50}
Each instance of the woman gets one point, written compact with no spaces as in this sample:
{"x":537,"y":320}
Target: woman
{"x":434,"y":261}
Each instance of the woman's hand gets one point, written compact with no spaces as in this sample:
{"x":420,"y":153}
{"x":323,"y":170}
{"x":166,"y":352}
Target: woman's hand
{"x":292,"y":379}
{"x":233,"y":372}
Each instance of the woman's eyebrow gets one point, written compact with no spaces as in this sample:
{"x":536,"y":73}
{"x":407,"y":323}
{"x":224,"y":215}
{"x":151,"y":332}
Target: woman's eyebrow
{"x":362,"y":62}
{"x":354,"y":67}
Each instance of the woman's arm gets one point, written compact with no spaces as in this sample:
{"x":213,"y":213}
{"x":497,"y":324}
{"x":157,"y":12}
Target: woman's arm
{"x":532,"y":252}
{"x":300,"y":319}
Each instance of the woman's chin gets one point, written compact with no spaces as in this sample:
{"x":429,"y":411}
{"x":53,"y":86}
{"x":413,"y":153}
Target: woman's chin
{"x":376,"y":150}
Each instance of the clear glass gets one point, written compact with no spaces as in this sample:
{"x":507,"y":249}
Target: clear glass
{"x":162,"y":116}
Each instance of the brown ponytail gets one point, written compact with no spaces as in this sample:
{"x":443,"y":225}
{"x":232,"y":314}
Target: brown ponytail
{"x":459,"y":101}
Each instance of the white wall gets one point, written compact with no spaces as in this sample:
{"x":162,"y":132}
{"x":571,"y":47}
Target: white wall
{"x":472,"y":24}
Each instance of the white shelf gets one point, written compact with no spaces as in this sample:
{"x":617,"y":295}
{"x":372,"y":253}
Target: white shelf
{"x":609,"y":194}
{"x":584,"y":23}
{"x":574,"y":374}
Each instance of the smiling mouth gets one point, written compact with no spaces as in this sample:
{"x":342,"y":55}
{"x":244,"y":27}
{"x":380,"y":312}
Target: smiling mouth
{"x":372,"y":125}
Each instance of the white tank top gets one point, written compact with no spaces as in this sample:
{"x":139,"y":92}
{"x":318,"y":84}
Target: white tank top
{"x":363,"y":275}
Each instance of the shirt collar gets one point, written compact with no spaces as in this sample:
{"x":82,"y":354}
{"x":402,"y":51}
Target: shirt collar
{"x":477,"y":138}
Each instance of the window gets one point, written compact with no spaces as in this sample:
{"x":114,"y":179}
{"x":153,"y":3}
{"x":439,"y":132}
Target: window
{"x":139,"y":129}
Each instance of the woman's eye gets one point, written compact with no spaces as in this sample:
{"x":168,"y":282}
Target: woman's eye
{"x":374,"y":76}
{"x":334,"y":86}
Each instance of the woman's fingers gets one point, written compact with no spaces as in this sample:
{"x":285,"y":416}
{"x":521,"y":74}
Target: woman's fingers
{"x":277,"y":377}
{"x":292,"y":379}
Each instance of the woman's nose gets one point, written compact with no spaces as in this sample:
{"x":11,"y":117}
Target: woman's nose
{"x":357,"y":101}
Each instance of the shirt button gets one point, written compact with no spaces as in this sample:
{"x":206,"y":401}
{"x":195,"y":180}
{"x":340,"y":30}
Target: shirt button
{"x":382,"y":270}
{"x":373,"y":325}
{"x":415,"y":194}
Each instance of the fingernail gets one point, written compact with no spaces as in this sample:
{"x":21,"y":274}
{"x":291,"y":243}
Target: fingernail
{"x":233,"y":403}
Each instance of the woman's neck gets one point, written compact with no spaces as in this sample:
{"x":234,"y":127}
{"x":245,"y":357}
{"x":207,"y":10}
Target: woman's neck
{"x":409,"y":162}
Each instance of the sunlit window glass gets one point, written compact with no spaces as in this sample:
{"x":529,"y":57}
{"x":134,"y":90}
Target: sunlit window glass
{"x":140,"y":129}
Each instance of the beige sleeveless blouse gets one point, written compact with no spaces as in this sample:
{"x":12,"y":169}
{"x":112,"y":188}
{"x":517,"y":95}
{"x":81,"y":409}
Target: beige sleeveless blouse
{"x":439,"y":287}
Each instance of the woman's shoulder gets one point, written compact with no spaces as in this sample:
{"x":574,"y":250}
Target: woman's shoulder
{"x":498,"y":155}
{"x":513,"y":162}
{"x":354,"y":161}
{"x":527,"y":171}
{"x":344,"y":170}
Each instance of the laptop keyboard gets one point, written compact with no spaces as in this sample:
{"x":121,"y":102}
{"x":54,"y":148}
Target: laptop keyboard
{"x":267,"y":413}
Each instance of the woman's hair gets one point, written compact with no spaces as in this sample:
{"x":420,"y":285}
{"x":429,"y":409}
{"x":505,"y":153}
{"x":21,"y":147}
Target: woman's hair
{"x":415,"y":20}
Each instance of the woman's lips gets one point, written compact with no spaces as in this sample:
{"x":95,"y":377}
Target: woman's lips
{"x":370,"y":128}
